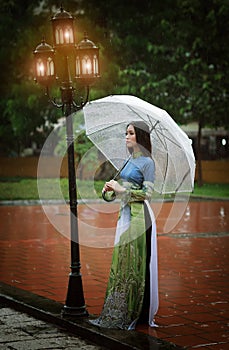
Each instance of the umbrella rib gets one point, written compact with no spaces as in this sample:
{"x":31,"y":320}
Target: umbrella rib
{"x":104,"y":128}
{"x":117,"y":174}
{"x":161,"y":139}
{"x":184,"y":177}
{"x":166,"y":169}
{"x":148,"y":116}
{"x":169,"y":139}
{"x":135,"y":112}
{"x":153,"y":126}
{"x":167,"y":162}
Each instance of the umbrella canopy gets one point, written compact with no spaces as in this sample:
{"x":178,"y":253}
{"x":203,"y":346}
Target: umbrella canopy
{"x":106,"y":120}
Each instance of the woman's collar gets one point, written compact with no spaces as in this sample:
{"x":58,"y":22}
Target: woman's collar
{"x":136,"y":154}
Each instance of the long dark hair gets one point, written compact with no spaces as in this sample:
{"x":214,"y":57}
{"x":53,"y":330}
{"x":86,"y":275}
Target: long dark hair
{"x":142,"y":137}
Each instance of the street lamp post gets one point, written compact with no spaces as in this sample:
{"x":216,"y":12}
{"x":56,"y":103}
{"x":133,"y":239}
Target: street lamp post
{"x":86,"y":61}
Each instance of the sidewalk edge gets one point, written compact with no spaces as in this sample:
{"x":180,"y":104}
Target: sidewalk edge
{"x":50,"y":311}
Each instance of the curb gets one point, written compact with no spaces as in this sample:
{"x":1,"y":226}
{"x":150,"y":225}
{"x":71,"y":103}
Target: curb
{"x":24,"y":202}
{"x":50,"y":311}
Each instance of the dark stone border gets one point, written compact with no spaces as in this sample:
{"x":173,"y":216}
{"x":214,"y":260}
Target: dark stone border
{"x":50,"y":311}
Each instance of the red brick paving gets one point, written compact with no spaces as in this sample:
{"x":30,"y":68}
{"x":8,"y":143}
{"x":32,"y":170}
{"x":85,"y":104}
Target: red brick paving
{"x":193,"y":264}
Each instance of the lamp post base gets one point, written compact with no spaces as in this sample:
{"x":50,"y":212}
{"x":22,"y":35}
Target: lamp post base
{"x":75,"y":304}
{"x":74,"y":311}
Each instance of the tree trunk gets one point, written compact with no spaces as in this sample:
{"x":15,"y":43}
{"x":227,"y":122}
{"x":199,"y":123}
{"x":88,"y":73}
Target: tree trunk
{"x":199,"y":156}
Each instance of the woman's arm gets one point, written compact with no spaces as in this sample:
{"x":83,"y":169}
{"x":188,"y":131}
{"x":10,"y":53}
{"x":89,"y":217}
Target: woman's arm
{"x":133,"y":194}
{"x":129,"y":192}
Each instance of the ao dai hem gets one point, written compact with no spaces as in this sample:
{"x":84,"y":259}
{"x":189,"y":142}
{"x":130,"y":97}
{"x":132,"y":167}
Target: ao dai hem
{"x":132,"y":264}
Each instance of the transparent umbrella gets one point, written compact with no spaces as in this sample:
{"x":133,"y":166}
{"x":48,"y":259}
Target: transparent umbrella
{"x":106,"y":120}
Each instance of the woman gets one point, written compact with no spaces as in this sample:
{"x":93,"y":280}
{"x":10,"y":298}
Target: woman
{"x":132,"y":291}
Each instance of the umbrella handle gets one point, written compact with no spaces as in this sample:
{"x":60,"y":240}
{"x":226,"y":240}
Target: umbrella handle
{"x":108,"y":196}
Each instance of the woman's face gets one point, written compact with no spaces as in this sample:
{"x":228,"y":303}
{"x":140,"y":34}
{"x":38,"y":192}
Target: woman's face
{"x":131,"y":138}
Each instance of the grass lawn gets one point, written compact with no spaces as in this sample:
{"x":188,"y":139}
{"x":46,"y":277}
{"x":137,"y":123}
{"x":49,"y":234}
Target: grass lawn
{"x":27,"y":189}
{"x":212,"y":190}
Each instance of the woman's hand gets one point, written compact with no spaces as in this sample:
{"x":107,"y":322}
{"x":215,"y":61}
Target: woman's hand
{"x":113,"y":185}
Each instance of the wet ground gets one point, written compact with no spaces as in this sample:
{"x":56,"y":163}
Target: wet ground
{"x":20,"y":331}
{"x":193,"y":262}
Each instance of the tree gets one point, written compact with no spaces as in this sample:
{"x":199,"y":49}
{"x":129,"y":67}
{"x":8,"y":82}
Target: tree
{"x":25,"y":117}
{"x":82,"y":143}
{"x":173,"y":54}
{"x":198,"y":80}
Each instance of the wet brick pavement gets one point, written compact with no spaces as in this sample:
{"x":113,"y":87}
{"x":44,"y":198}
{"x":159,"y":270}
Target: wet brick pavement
{"x":193,"y":263}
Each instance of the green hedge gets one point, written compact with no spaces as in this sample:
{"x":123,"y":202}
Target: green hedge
{"x":26,"y":189}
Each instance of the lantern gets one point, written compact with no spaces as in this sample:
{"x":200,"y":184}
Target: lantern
{"x":44,"y":63}
{"x":87,"y":62}
{"x":63,"y":29}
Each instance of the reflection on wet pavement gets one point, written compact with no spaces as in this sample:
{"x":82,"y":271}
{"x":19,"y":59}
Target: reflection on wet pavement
{"x":193,"y":262}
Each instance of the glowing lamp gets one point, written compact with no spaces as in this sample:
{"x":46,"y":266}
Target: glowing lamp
{"x":87,"y":62}
{"x":44,"y":63}
{"x":63,"y":29}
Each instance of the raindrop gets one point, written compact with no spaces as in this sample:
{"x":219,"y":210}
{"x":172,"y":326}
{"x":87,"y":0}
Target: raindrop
{"x":222,"y":212}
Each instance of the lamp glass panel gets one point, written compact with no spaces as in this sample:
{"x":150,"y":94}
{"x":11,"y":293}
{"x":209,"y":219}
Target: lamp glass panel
{"x":68,"y":35}
{"x":95,"y":65}
{"x":86,"y":65}
{"x":40,"y":68}
{"x":59,"y":35}
{"x":77,"y":66}
{"x":50,"y":67}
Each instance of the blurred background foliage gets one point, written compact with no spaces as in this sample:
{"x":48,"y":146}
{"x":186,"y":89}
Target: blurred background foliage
{"x":171,"y":53}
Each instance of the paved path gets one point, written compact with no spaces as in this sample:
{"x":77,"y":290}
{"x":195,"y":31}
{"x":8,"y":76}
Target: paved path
{"x":193,"y":263}
{"x":21,"y":331}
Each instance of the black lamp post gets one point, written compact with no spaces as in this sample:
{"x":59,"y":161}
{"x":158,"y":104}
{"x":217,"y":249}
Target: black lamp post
{"x":86,"y":62}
